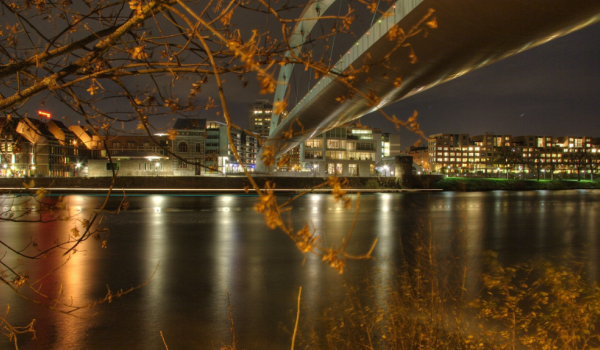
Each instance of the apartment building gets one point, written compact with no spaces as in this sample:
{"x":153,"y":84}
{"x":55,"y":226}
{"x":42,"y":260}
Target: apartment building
{"x":390,"y":145}
{"x":344,"y":151}
{"x":219,"y":155}
{"x":259,"y":117}
{"x":506,"y":154}
{"x":31,"y":147}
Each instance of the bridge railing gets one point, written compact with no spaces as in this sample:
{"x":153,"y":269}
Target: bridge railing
{"x":379,"y":29}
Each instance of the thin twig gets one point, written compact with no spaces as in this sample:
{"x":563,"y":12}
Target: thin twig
{"x":297,"y":318}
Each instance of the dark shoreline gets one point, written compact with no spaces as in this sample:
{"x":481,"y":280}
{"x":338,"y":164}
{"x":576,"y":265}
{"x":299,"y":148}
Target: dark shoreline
{"x":239,"y":184}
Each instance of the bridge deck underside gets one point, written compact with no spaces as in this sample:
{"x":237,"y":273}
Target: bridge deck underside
{"x":471,"y":34}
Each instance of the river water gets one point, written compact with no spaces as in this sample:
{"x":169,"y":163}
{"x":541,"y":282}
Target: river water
{"x":203,"y":247}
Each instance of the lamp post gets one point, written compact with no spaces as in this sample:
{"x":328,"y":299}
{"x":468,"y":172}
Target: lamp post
{"x":385,"y":169}
{"x":544,"y":171}
{"x":498,"y":172}
{"x":157,"y":164}
{"x":77,"y":169}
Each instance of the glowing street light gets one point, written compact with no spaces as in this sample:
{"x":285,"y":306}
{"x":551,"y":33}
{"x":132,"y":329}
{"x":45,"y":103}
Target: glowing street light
{"x":44,"y":115}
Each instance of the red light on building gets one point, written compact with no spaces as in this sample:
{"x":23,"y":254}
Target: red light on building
{"x":44,"y":114}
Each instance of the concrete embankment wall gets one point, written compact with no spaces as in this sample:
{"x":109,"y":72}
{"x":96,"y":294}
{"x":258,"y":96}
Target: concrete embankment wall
{"x":237,"y":182}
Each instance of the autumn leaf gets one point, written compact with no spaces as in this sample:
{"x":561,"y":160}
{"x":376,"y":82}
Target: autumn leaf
{"x":268,"y":155}
{"x":28,"y":185}
{"x":172,"y":134}
{"x":136,"y":6}
{"x":138,"y":53}
{"x":372,"y":6}
{"x":210,"y":103}
{"x":226,"y":18}
{"x":267,"y":84}
{"x":280,"y":107}
{"x":92,"y":89}
{"x":398,"y":82}
{"x":432,"y":23}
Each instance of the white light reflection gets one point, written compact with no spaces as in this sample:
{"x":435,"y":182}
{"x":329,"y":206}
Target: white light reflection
{"x":157,"y":244}
{"x":388,"y":241}
{"x":313,"y":269}
{"x":473,"y":239}
{"x":227,"y":246}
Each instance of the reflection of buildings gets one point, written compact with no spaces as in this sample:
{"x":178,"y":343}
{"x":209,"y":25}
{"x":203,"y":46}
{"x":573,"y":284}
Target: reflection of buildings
{"x":259,"y":117}
{"x":344,"y":151}
{"x":506,"y":154}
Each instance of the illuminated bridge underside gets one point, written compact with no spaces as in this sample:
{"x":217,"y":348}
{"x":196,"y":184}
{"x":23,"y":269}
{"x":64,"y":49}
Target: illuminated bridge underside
{"x":471,"y":34}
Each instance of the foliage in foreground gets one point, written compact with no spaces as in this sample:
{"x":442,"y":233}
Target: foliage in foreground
{"x":533,"y":305}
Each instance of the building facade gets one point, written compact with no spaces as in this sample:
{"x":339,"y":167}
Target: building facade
{"x":420,"y":156}
{"x":259,"y":117}
{"x":505,"y":155}
{"x":345,"y":151}
{"x":390,"y":145}
{"x":31,"y":147}
{"x":219,"y":154}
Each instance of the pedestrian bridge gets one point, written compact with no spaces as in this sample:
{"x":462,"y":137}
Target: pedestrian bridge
{"x":470,"y":34}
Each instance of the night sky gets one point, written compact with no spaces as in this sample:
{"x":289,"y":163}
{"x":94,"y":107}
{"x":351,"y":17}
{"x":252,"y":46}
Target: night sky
{"x":551,"y":89}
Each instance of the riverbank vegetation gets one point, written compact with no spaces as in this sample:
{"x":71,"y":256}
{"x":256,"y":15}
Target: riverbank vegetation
{"x":476,"y":184}
{"x":439,"y":303}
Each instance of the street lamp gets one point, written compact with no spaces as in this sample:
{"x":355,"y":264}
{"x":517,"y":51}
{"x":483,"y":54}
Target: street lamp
{"x":77,"y":169}
{"x":385,"y":169}
{"x":498,"y":171}
{"x":544,"y":171}
{"x":157,"y":164}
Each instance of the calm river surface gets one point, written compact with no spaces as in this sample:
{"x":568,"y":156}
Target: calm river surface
{"x":206,"y":246}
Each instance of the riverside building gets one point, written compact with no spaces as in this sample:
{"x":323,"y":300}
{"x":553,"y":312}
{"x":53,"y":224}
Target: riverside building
{"x":344,"y":151}
{"x":512,"y":156}
{"x":219,"y":154}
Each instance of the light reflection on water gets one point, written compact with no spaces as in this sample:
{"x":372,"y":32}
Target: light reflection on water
{"x":210,"y":245}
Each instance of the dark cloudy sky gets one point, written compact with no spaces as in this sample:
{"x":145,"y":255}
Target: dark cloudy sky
{"x":553,"y":89}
